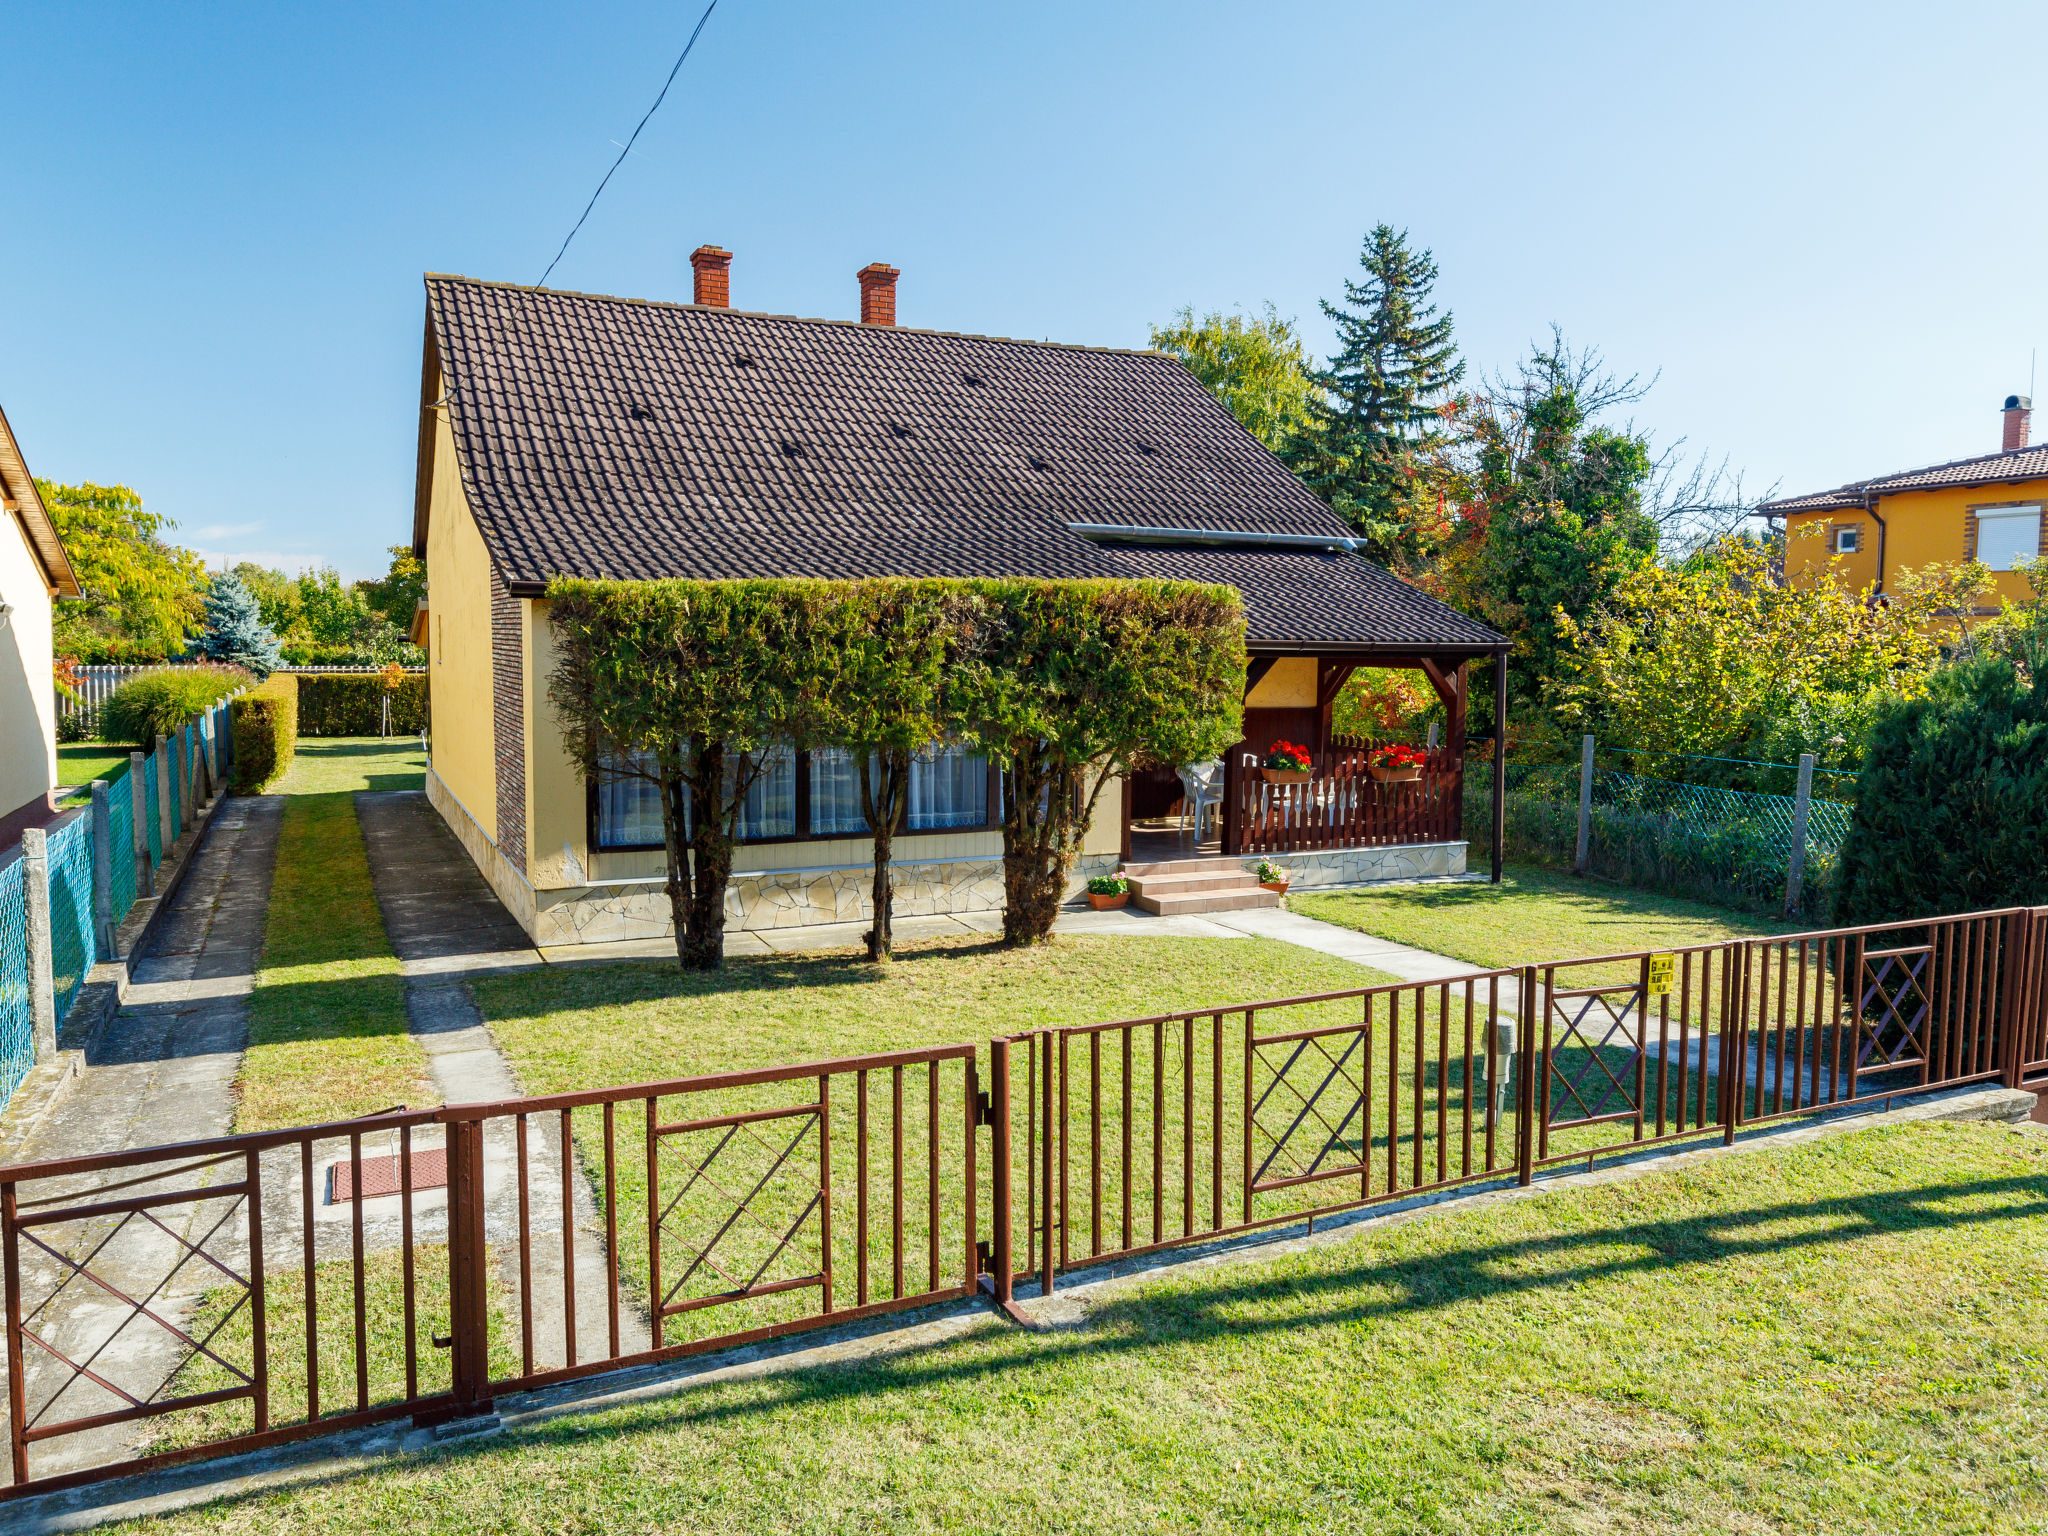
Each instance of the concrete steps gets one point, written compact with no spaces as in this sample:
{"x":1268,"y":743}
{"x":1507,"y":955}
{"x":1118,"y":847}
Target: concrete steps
{"x":1196,"y":885}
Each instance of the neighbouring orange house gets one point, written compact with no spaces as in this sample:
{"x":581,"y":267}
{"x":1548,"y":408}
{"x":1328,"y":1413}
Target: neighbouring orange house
{"x":1986,"y":509}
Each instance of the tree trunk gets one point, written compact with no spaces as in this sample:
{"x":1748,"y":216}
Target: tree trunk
{"x":674,"y":795}
{"x":702,"y":947}
{"x":885,"y":813}
{"x":1038,"y":848}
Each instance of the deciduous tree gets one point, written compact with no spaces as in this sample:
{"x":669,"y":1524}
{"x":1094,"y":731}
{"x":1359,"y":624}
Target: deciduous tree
{"x":142,"y":592}
{"x":1255,"y":366}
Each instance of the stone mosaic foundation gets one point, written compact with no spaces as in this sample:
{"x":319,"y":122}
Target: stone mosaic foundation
{"x":1362,"y":866}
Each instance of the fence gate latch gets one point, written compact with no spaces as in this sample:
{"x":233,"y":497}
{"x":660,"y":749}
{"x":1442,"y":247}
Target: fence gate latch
{"x":984,"y":1110}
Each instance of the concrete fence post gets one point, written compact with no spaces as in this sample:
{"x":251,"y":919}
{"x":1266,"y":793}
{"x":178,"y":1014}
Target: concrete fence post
{"x":167,"y":829}
{"x":212,"y":748}
{"x":42,"y":970}
{"x":138,"y":794}
{"x":202,"y":763}
{"x":103,"y":870}
{"x":1579,"y":864}
{"x":1795,"y":864}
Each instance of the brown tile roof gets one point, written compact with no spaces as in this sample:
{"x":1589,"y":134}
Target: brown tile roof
{"x":1987,"y":469}
{"x":622,"y":438}
{"x":18,"y":490}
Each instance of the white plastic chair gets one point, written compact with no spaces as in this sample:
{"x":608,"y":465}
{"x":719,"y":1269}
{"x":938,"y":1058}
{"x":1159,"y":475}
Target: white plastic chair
{"x":1201,"y":787}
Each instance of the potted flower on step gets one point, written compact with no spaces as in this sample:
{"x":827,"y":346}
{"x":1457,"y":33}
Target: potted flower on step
{"x":1272,"y":877}
{"x":1108,"y":892}
{"x":1286,"y":763}
{"x":1396,"y":763}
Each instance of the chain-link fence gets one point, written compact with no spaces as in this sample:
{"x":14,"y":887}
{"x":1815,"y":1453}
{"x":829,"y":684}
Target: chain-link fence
{"x":17,"y":1023}
{"x":121,"y":841}
{"x":1724,"y":845}
{"x":73,"y":951}
{"x":151,"y":816}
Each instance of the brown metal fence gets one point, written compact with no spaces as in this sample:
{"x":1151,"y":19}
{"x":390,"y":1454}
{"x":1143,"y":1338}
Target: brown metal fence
{"x":174,"y":1302}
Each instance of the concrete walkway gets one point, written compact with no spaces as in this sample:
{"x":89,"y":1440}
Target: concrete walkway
{"x":445,"y":924}
{"x":162,"y":1070}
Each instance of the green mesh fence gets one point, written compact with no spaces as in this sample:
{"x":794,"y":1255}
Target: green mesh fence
{"x":121,"y":842}
{"x":72,"y":949}
{"x":17,"y":1026}
{"x":155,"y":822}
{"x":1724,"y":845}
{"x":172,"y":759}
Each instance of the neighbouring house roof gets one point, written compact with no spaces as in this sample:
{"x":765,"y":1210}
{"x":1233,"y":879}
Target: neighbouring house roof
{"x":622,"y":438}
{"x":1987,"y":469}
{"x":25,"y":502}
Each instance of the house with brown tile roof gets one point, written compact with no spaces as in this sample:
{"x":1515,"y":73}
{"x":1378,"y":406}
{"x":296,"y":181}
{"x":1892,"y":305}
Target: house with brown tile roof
{"x":1986,"y":508}
{"x":583,"y":435}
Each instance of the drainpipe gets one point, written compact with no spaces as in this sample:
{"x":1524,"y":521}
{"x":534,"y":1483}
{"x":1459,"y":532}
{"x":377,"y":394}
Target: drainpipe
{"x":1870,"y":506}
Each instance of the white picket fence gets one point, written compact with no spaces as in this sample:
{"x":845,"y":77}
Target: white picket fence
{"x":97,"y":684}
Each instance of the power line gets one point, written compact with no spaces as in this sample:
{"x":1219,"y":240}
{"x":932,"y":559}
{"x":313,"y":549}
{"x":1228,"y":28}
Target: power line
{"x":629,"y":142}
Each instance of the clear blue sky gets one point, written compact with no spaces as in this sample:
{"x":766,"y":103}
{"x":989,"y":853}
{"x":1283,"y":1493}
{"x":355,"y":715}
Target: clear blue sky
{"x":1823,"y":224}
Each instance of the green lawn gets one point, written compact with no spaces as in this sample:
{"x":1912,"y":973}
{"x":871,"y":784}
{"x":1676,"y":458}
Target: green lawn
{"x":327,"y":1024}
{"x":82,"y":762}
{"x":1840,"y":1337}
{"x":1531,"y":916}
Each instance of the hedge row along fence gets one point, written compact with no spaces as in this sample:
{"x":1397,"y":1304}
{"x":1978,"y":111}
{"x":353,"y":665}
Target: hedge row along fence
{"x":689,"y":685}
{"x":266,"y":725}
{"x":352,"y":704}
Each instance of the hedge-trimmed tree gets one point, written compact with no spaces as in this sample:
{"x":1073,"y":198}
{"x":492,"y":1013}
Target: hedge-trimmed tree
{"x":1069,"y":684}
{"x":1952,"y":806}
{"x":687,"y":685}
{"x":884,"y":698}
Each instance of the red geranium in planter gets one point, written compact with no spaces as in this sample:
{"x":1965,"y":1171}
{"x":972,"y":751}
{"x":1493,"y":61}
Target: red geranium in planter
{"x":1286,"y":763}
{"x":1396,"y":762}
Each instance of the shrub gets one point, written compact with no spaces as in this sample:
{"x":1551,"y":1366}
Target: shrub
{"x":266,"y":722}
{"x":159,"y":702}
{"x":351,"y":704}
{"x":1952,"y":809}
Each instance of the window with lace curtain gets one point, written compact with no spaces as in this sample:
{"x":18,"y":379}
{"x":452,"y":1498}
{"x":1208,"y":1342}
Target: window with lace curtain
{"x":627,"y":808}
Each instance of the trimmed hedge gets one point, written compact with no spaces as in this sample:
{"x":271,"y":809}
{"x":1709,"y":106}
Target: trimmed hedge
{"x":266,"y":728}
{"x":351,"y":704}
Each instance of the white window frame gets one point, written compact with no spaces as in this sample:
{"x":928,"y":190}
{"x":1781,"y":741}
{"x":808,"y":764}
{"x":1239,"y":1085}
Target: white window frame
{"x":1849,"y":540}
{"x":2018,"y":534}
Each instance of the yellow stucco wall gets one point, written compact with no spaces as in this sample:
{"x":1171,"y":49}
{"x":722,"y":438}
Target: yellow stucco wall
{"x":28,"y":726}
{"x":1922,"y":528}
{"x":459,"y":641}
{"x":1289,"y":684}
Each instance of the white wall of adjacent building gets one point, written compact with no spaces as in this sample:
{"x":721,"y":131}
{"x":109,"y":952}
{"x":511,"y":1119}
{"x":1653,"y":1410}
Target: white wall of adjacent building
{"x":28,"y":724}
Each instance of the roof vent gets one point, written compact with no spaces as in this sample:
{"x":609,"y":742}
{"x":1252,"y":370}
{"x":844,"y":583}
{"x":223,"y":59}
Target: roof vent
{"x":897,"y":429}
{"x":1148,"y":450}
{"x":639,"y":412}
{"x":973,"y":380}
{"x":791,"y":450}
{"x":1038,"y":463}
{"x":741,"y":360}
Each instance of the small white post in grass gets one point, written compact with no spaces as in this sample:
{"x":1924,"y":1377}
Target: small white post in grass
{"x":145,"y":877}
{"x":42,"y":972}
{"x":1585,"y":804}
{"x":1795,"y":867}
{"x":103,"y":870}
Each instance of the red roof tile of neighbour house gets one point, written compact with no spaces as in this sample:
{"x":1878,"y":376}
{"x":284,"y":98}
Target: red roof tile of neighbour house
{"x":622,"y":438}
{"x":1986,"y":469}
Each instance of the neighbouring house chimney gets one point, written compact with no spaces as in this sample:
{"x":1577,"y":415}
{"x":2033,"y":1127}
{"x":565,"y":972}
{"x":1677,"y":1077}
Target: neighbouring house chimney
{"x":713,"y":287}
{"x":877,"y":293}
{"x":2019,"y":411}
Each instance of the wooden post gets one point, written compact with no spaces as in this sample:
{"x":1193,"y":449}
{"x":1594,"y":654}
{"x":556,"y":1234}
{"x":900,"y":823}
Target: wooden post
{"x":1585,"y":804}
{"x":138,"y":795}
{"x":103,"y":855}
{"x":1795,"y":869}
{"x":1500,"y":758}
{"x":42,"y":979}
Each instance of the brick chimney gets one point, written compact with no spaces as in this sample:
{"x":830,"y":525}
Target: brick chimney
{"x":712,"y":284}
{"x":877,"y":293}
{"x":2018,"y":411}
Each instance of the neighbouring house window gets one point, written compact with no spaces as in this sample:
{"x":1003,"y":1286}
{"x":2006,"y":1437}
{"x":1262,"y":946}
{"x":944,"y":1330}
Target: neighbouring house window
{"x":770,"y":809}
{"x":948,"y":788}
{"x":1848,"y":540}
{"x":2008,"y":535}
{"x":628,"y":808}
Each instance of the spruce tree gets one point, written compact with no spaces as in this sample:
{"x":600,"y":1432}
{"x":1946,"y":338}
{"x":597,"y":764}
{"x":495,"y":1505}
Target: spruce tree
{"x":235,"y":632}
{"x":1377,"y":416}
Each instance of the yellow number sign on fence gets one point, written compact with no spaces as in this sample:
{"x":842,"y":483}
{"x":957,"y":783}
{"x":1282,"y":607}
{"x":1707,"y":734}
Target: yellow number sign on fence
{"x":1662,"y":968}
